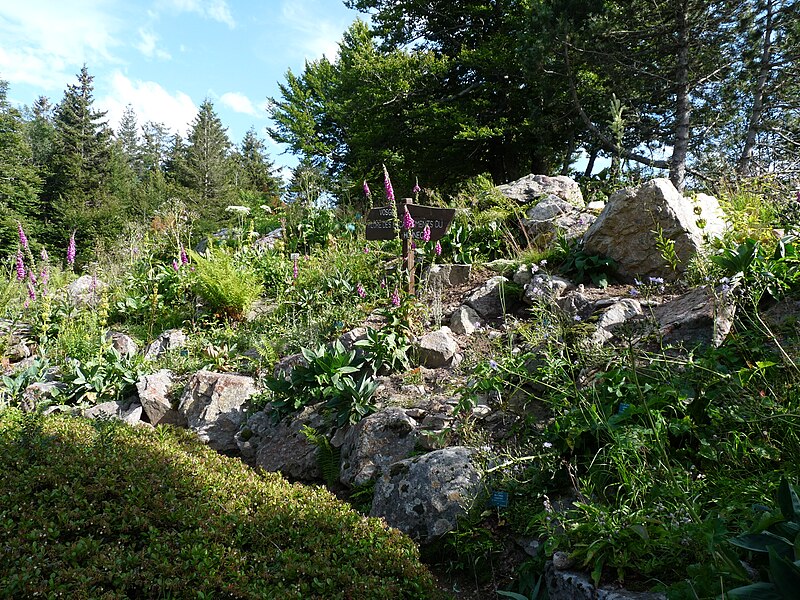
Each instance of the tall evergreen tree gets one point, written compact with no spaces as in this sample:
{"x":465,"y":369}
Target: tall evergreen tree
{"x":206,"y":170}
{"x":254,"y":172}
{"x":79,"y":184}
{"x":127,"y":136}
{"x":19,"y":182}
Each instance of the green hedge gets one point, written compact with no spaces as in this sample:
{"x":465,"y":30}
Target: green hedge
{"x":103,"y":510}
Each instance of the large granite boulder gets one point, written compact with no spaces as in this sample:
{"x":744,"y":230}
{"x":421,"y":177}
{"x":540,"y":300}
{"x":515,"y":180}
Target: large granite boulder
{"x":554,"y":216}
{"x":153,"y":392}
{"x":376,"y":442}
{"x":489,"y":300}
{"x":281,"y":446}
{"x":618,"y":313}
{"x":86,"y":290}
{"x":701,"y":316}
{"x":425,"y":495}
{"x":213,"y":406}
{"x":464,"y":320}
{"x":438,"y":348}
{"x":624,"y":230}
{"x":531,"y":188}
{"x":166,"y":342}
{"x":122,"y":343}
{"x":130,"y":413}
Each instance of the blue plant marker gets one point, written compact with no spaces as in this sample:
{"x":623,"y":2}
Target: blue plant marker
{"x":623,"y":406}
{"x":498,"y":499}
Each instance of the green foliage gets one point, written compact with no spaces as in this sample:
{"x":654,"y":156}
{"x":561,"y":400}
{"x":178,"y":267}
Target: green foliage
{"x":330,"y":375}
{"x":228,"y":288}
{"x":158,"y":514}
{"x":328,"y":457}
{"x":666,"y":248}
{"x":774,"y":536}
{"x":584,"y":267}
{"x":385,"y":350}
{"x":776,"y":274}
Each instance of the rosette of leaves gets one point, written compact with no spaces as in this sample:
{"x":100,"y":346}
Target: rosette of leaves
{"x":775,"y":540}
{"x":385,"y":350}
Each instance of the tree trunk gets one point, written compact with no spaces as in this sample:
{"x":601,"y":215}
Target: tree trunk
{"x":745,"y":167}
{"x":683,"y":106}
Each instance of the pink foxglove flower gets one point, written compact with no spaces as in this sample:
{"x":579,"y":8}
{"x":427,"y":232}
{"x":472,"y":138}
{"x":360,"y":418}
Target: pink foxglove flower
{"x":383,"y":284}
{"x":45,"y":257}
{"x":23,"y":239}
{"x":426,"y":234}
{"x":184,"y":257}
{"x":20,"y":267}
{"x":360,"y":290}
{"x":387,"y":183}
{"x":395,"y":298}
{"x":416,"y":189}
{"x":31,"y":293}
{"x":438,"y":249}
{"x":413,"y":245}
{"x":408,"y":222}
{"x":367,"y":193}
{"x":175,"y":265}
{"x":71,"y":250}
{"x":366,"y":249}
{"x":295,"y":271}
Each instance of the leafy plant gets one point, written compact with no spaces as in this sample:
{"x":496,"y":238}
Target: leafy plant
{"x":583,"y":267}
{"x":385,"y":350}
{"x":329,"y":375}
{"x":228,"y":288}
{"x":775,"y":537}
{"x":328,"y":457}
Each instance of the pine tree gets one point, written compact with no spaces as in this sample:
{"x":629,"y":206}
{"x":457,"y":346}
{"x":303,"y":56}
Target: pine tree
{"x":254,"y":171}
{"x":206,"y":170}
{"x":19,"y":182}
{"x":127,"y":137}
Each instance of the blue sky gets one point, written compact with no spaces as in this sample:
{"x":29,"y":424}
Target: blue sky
{"x":166,"y":56}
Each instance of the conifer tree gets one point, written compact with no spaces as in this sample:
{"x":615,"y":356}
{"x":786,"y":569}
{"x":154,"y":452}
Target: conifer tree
{"x":254,"y":172}
{"x":19,"y":181}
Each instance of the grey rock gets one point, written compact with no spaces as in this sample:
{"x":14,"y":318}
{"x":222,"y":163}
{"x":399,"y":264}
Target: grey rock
{"x":549,"y":287}
{"x":86,"y":290}
{"x":153,"y":389}
{"x":423,"y":496}
{"x":552,"y":217}
{"x":619,"y":312}
{"x":214,"y":405}
{"x":374,"y":443}
{"x":624,"y":230}
{"x":437,"y":348}
{"x":460,"y":274}
{"x":464,"y":320}
{"x":283,"y":368}
{"x":487,"y":300}
{"x":571,"y":585}
{"x":281,"y":447}
{"x":104,"y":410}
{"x":523,"y":275}
{"x":123,"y":344}
{"x":447,"y":275}
{"x":701,"y":316}
{"x":41,"y":391}
{"x":531,"y":187}
{"x":349,"y":338}
{"x":166,"y":342}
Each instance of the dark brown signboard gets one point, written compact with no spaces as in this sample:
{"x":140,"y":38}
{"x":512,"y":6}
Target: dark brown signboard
{"x":380,"y":225}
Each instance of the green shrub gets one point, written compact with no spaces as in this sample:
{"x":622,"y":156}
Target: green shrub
{"x":227,"y":288}
{"x":103,"y":510}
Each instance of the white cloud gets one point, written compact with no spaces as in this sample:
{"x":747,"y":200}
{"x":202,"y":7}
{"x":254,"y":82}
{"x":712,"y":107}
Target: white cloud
{"x":151,"y":103}
{"x":315,"y":37}
{"x":148,"y":45}
{"x":44,"y":42}
{"x":241,"y":104}
{"x":217,"y":10}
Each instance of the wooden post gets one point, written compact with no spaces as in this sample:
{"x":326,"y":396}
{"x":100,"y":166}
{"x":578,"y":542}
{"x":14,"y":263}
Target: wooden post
{"x":408,"y":250}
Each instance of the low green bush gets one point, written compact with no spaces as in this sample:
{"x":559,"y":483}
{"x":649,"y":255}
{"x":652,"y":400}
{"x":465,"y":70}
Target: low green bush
{"x":104,"y":510}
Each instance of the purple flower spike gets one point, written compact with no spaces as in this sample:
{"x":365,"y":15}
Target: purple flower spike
{"x":71,"y":250}
{"x":367,"y":193}
{"x":31,"y":293}
{"x":387,"y":183}
{"x":366,"y":249}
{"x":23,"y":239}
{"x":360,"y":290}
{"x":45,"y":257}
{"x":175,"y":265}
{"x":184,"y":257}
{"x":408,"y":222}
{"x":416,"y":189}
{"x":395,"y":298}
{"x":20,"y":267}
{"x":295,"y":271}
{"x":438,"y":249}
{"x":426,"y":234}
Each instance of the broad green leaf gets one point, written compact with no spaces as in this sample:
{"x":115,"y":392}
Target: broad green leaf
{"x":785,"y":574}
{"x":761,"y":542}
{"x":756,"y":591}
{"x":788,"y":501}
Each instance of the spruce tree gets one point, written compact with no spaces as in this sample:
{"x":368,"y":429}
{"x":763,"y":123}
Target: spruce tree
{"x":19,"y":182}
{"x":206,"y":170}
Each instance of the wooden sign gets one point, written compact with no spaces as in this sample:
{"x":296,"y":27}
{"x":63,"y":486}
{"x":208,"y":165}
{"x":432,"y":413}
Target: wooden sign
{"x":380,"y":224}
